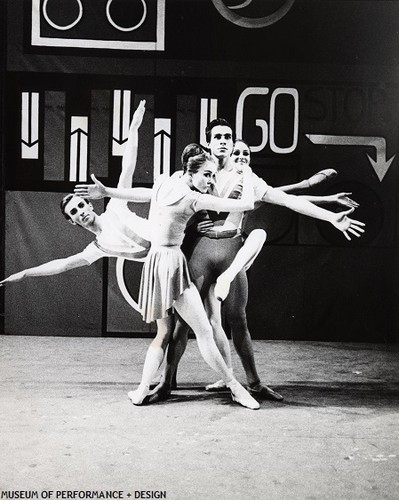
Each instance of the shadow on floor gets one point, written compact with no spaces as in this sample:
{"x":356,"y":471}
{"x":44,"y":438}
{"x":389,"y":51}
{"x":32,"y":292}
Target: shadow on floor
{"x":381,"y":395}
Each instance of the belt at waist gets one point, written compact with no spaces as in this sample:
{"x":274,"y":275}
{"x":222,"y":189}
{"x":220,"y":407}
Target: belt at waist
{"x":229,"y":233}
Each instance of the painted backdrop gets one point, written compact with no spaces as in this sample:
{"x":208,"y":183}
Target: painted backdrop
{"x":307,"y":84}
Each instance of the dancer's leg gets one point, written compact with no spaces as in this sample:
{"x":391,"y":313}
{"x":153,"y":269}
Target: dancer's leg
{"x":213,"y":311}
{"x":176,"y":347}
{"x":153,"y":359}
{"x":190,"y":308}
{"x":235,"y":305}
{"x":201,"y":271}
{"x":243,"y":260}
{"x":314,"y":180}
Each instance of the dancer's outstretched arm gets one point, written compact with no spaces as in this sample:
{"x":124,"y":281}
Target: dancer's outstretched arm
{"x":205,"y":201}
{"x":57,"y":266}
{"x":97,"y":191}
{"x":298,"y":204}
{"x":210,"y":202}
{"x":129,"y":158}
{"x":339,"y":199}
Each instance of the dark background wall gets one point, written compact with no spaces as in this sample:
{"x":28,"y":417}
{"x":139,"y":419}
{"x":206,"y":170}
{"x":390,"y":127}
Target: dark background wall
{"x":333,"y":62}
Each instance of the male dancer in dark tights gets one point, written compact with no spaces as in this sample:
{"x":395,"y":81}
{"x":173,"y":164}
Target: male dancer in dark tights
{"x":210,"y":252}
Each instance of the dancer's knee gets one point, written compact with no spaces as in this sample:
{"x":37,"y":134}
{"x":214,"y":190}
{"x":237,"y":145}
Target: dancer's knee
{"x":204,"y":332}
{"x":215,"y":322}
{"x":164,"y":331}
{"x":238,"y":326}
{"x":259,"y":235}
{"x":237,"y":318}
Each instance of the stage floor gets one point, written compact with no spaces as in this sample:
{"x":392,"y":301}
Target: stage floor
{"x":67,"y":424}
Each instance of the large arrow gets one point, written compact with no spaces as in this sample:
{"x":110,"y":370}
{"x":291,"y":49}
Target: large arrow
{"x":208,"y":112}
{"x":380,"y":164}
{"x":121,"y":121}
{"x":162,"y":135}
{"x":78,"y":149}
{"x":30,"y":125}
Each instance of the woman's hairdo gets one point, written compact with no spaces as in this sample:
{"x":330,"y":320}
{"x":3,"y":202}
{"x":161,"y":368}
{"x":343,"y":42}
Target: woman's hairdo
{"x":195,"y":162}
{"x":190,"y":151}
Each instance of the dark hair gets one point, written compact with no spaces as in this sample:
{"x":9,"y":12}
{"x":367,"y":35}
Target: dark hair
{"x":64,"y":202}
{"x":189,"y":151}
{"x":195,"y":162}
{"x":242,"y":140}
{"x":215,"y":123}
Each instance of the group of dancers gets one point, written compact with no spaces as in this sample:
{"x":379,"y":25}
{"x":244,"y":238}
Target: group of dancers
{"x":193,"y":251}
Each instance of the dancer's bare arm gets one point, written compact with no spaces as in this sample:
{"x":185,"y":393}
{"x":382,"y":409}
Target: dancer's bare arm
{"x":129,"y":159}
{"x":57,"y":266}
{"x":210,"y":202}
{"x":340,"y":199}
{"x":298,"y":204}
{"x":205,"y":202}
{"x":97,"y":191}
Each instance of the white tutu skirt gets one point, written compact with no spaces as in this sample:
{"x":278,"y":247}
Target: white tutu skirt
{"x":164,"y":278}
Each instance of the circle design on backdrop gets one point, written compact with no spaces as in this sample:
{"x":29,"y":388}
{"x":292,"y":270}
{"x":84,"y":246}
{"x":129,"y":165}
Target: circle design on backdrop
{"x":57,"y":26}
{"x":370,"y":211}
{"x":251,"y":22}
{"x":120,"y":278}
{"x":242,"y":5}
{"x":121,"y":28}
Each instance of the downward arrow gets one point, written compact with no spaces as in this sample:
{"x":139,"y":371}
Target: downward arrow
{"x":121,"y":121}
{"x":119,"y":141}
{"x":30,"y":125}
{"x":29,"y":144}
{"x":380,"y":164}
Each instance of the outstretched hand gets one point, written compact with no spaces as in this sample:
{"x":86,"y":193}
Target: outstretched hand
{"x":343,"y":200}
{"x":347,"y":225}
{"x":138,"y":114}
{"x":94,"y":191}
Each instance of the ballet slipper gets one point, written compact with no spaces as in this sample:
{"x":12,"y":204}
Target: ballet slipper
{"x":216,"y":386}
{"x":321,"y":176}
{"x":264,"y":392}
{"x":137,"y":397}
{"x":160,"y":393}
{"x":222,"y":287}
{"x":242,"y":396}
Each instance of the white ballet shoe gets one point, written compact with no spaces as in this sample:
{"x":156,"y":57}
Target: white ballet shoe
{"x":216,"y":386}
{"x":242,"y":396}
{"x":137,"y":397}
{"x":322,"y":176}
{"x":222,"y":288}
